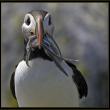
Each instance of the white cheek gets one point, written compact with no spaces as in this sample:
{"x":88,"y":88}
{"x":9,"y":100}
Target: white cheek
{"x":26,"y":29}
{"x":48,"y":28}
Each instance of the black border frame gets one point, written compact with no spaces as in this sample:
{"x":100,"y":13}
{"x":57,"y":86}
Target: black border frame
{"x":56,"y":1}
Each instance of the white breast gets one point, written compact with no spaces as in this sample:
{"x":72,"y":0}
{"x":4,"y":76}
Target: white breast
{"x":44,"y":85}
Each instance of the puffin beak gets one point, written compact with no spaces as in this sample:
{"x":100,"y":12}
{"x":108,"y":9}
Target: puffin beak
{"x":40,"y":31}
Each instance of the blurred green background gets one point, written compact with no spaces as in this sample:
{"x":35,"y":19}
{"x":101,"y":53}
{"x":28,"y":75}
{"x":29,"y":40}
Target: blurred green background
{"x":81,"y":31}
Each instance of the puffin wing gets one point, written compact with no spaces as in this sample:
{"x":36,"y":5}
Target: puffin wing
{"x":79,"y":80}
{"x":52,"y":50}
{"x":12,"y":85}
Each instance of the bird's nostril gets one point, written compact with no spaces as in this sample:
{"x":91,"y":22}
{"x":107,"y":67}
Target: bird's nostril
{"x":28,"y":21}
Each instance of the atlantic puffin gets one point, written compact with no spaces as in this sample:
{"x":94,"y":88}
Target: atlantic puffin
{"x":44,"y":78}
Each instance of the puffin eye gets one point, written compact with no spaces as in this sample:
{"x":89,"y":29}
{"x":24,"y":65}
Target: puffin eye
{"x":49,"y":21}
{"x":28,"y":21}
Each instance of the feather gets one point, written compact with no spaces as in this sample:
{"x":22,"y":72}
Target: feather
{"x":79,"y":80}
{"x":12,"y":85}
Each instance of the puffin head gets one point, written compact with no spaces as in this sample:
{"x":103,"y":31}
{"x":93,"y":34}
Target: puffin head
{"x":38,"y":34}
{"x":36,"y":25}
